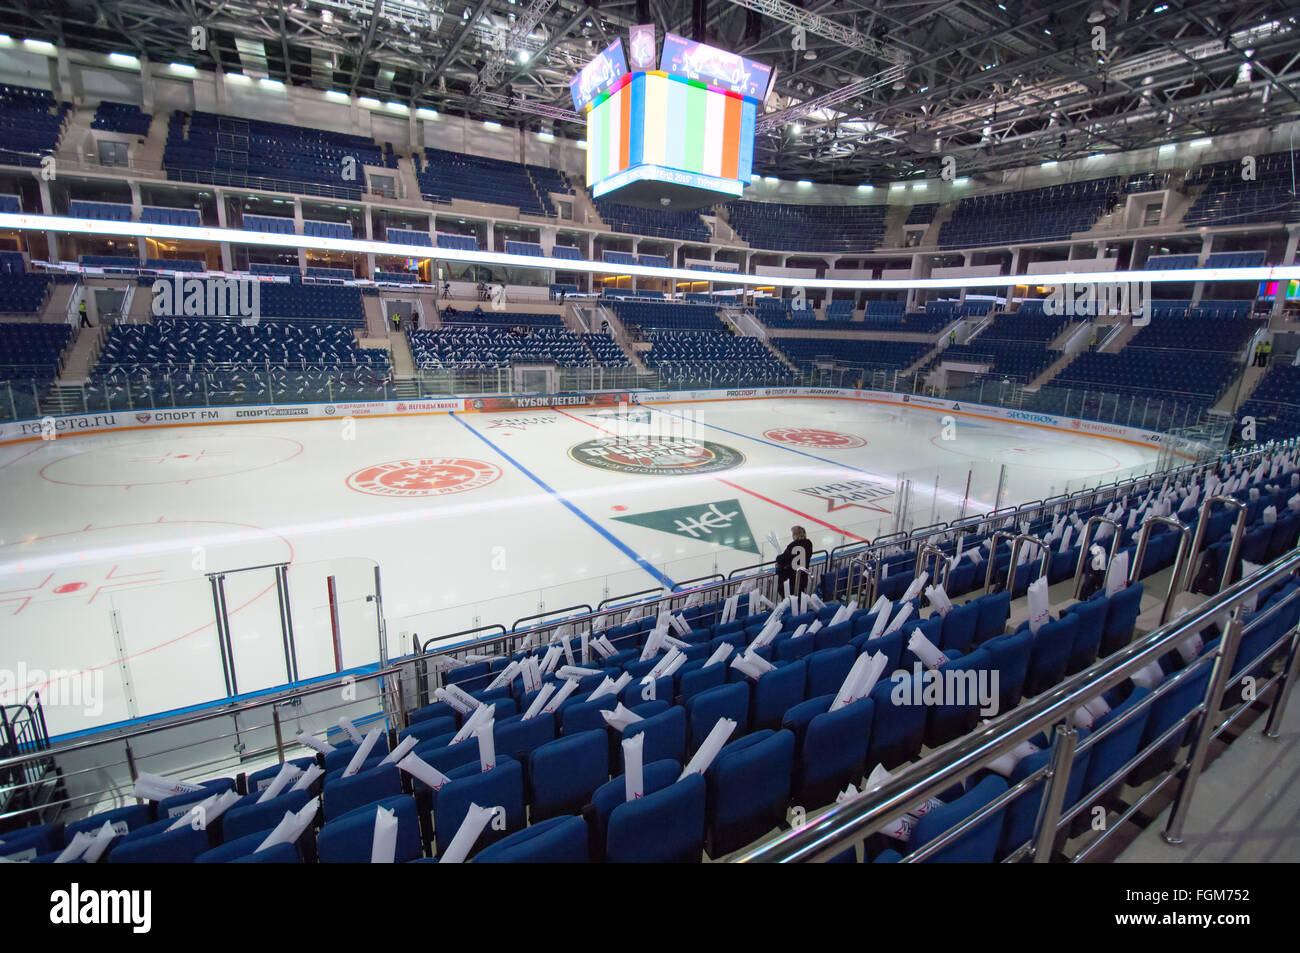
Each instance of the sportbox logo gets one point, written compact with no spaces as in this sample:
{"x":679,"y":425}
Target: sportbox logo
{"x":208,"y":298}
{"x":1092,"y":299}
{"x":1031,"y":418}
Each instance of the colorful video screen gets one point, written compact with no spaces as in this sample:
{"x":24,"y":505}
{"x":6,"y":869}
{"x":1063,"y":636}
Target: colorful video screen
{"x":1270,"y":289}
{"x":672,"y":129}
{"x":708,"y":64}
{"x":604,"y":71}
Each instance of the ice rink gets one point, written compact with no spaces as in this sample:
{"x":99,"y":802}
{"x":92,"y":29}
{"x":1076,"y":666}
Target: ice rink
{"x":106,"y":540}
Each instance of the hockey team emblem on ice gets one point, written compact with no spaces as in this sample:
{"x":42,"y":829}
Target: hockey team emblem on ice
{"x":656,"y":456}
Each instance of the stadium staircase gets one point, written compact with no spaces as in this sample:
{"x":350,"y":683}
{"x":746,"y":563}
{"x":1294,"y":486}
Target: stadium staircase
{"x":1239,"y":391}
{"x":618,"y":331}
{"x":376,"y":326}
{"x":894,"y":220}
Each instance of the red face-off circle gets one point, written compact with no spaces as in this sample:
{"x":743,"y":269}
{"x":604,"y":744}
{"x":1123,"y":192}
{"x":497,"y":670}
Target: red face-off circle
{"x":822,"y":439}
{"x":429,"y":476}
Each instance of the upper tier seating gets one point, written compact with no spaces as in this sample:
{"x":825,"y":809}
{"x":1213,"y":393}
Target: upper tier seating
{"x":659,"y":223}
{"x":161,"y":215}
{"x":668,"y":315}
{"x":31,"y":350}
{"x":121,"y":117}
{"x":808,"y":227}
{"x":407,"y":236}
{"x":31,"y":123}
{"x":1275,"y":404}
{"x":523,"y":248}
{"x":508,"y":319}
{"x":1171,"y":262}
{"x":922,"y":214}
{"x":272,"y":224}
{"x":449,"y":175}
{"x":1228,"y":199}
{"x":22,"y":292}
{"x":854,"y":352}
{"x":1054,"y":212}
{"x":105,"y":211}
{"x":250,"y":153}
{"x":1014,"y":345}
{"x":567,"y":252}
{"x":318,"y":229}
{"x":1236,"y":259}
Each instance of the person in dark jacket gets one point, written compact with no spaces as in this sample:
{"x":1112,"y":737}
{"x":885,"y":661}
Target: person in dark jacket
{"x":792,"y":565}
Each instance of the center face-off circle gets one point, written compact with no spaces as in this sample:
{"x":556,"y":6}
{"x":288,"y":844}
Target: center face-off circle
{"x":427,"y":476}
{"x":821,"y":439}
{"x":656,"y":457}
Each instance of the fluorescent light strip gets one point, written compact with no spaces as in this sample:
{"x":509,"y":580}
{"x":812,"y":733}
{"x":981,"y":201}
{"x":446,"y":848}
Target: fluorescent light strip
{"x":78,"y":226}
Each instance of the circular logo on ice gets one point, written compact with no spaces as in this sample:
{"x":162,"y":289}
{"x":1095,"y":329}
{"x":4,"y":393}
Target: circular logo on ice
{"x":657,"y":456}
{"x":431,"y":476}
{"x":822,"y":439}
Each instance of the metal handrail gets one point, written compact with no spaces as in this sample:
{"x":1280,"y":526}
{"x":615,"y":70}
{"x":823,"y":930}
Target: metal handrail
{"x":1016,"y":545}
{"x":1202,"y":522}
{"x":1085,"y":539}
{"x":827,"y":835}
{"x":942,"y":569}
{"x":990,"y":572}
{"x":1184,"y":544}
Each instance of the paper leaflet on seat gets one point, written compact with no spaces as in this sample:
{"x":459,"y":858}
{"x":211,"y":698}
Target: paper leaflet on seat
{"x":771,"y":629}
{"x":728,"y":607}
{"x":559,"y":697}
{"x":457,"y":698}
{"x":481,"y":714}
{"x":751,"y":665}
{"x":532,"y":673}
{"x":1082,"y":718}
{"x":383,"y":839}
{"x":308,"y":778}
{"x":310,"y":741}
{"x":476,"y":818}
{"x":652,"y":643}
{"x":1269,"y":515}
{"x":539,"y":703}
{"x":709,"y":748}
{"x":77,"y":846}
{"x":610,"y":687}
{"x":1039,"y":610}
{"x":633,"y":780}
{"x":620,"y":717}
{"x":603,"y":650}
{"x":363,"y":752}
{"x":575,"y":671}
{"x":903,"y":615}
{"x":815,"y":602}
{"x":862,"y":678}
{"x":1065,"y":540}
{"x":844,"y":613}
{"x":938,"y":599}
{"x":1007,"y":763}
{"x":1149,"y":676}
{"x":154,"y":787}
{"x":803,"y":603}
{"x":206,"y":811}
{"x":676,"y":643}
{"x":550,"y":659}
{"x":567,"y":648}
{"x":487,"y":749}
{"x":1117,"y":574}
{"x":800,"y":632}
{"x":421,"y":770}
{"x":813,"y":627}
{"x":505,"y":676}
{"x":662,"y":665}
{"x":719,"y":654}
{"x":403,"y":748}
{"x":679,"y":624}
{"x":287,"y":774}
{"x":925,"y":650}
{"x":848,"y":794}
{"x":291,"y":827}
{"x":914,"y":588}
{"x":882,"y":619}
{"x":1190,"y":648}
{"x":350,"y":730}
{"x":879,"y":775}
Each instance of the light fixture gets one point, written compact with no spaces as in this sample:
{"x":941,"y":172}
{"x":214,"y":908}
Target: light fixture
{"x":1048,"y":164}
{"x":1167,"y":148}
{"x":424,"y":112}
{"x":897,"y":186}
{"x":1198,"y":143}
{"x":124,"y":59}
{"x":183,"y":69}
{"x":369,"y":102}
{"x":267,"y":83}
{"x":545,"y":136}
{"x":336,"y":96}
{"x":866,"y":188}
{"x":804,"y":183}
{"x":961,"y":181}
{"x":40,"y":46}
{"x":581,"y":143}
{"x":492,"y":125}
{"x":771,"y":179}
{"x":237,"y":78}
{"x":920,"y":186}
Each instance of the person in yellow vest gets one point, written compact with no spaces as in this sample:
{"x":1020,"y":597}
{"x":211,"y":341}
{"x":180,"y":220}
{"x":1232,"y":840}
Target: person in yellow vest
{"x":81,"y":310}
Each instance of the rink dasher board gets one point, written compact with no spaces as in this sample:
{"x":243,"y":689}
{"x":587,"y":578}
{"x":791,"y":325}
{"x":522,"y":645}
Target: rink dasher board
{"x":112,"y":421}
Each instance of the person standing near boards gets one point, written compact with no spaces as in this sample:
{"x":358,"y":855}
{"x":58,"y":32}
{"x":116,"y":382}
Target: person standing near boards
{"x":81,"y":309}
{"x":792,"y":565}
